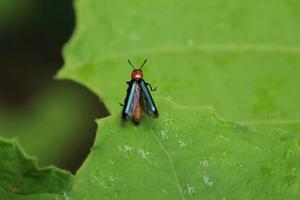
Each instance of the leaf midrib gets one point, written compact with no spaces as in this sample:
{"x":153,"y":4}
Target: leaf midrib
{"x":169,"y":159}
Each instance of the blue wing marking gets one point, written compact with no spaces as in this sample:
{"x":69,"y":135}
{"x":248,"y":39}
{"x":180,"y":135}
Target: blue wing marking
{"x":131,"y":100}
{"x":147,"y":103}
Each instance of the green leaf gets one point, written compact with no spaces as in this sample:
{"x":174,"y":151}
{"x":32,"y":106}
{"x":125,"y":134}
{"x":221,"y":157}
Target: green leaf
{"x":14,"y":13}
{"x":50,"y":119}
{"x":22,"y":179}
{"x":240,"y":58}
{"x":230,"y":55}
{"x":189,"y":153}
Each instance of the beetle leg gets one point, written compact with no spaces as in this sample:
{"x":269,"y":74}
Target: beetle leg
{"x":148,"y":84}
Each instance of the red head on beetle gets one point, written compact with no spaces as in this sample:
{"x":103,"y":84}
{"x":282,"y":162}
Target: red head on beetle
{"x":137,"y":73}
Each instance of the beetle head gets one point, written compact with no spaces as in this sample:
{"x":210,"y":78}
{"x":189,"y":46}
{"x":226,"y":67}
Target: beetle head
{"x":137,"y":73}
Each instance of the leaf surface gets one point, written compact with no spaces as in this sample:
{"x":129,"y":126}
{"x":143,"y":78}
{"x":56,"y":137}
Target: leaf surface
{"x":50,"y":125}
{"x":228,"y":62}
{"x":233,"y":55}
{"x":22,"y":179}
{"x":189,"y":153}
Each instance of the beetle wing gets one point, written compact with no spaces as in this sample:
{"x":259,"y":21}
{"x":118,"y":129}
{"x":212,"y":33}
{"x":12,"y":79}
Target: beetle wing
{"x":147,"y":102}
{"x":132,"y":99}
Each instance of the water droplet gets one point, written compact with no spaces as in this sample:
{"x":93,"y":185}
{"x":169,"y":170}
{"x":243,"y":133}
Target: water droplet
{"x":147,"y":156}
{"x":168,"y":121}
{"x":164,"y":191}
{"x":189,"y":190}
{"x":204,"y":163}
{"x":226,"y":162}
{"x":143,"y":154}
{"x":97,"y":178}
{"x":163,"y":135}
{"x":208,"y":181}
{"x":111,"y":162}
{"x":126,"y":149}
{"x":112,"y":179}
{"x":222,"y":137}
{"x":212,"y":161}
{"x":182,"y":144}
{"x":257,"y":148}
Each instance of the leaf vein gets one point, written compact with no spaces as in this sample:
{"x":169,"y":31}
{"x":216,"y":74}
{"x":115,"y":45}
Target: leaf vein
{"x":272,"y":122}
{"x":226,"y":47}
{"x":170,"y":161}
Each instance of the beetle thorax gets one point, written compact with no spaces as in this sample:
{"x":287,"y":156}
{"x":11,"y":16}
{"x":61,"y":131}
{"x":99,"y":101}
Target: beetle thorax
{"x":137,"y":74}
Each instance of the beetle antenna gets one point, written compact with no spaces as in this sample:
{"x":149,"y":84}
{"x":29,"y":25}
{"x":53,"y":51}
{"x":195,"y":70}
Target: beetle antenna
{"x":143,"y":64}
{"x":131,"y":64}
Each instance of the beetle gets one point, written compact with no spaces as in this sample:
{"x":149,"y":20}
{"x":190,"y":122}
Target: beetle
{"x":138,"y":98}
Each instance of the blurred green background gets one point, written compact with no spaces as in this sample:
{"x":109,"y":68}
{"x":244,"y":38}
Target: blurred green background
{"x":52,"y":119}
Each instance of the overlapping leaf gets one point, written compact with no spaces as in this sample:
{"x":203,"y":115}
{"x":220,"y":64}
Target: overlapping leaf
{"x":22,"y":179}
